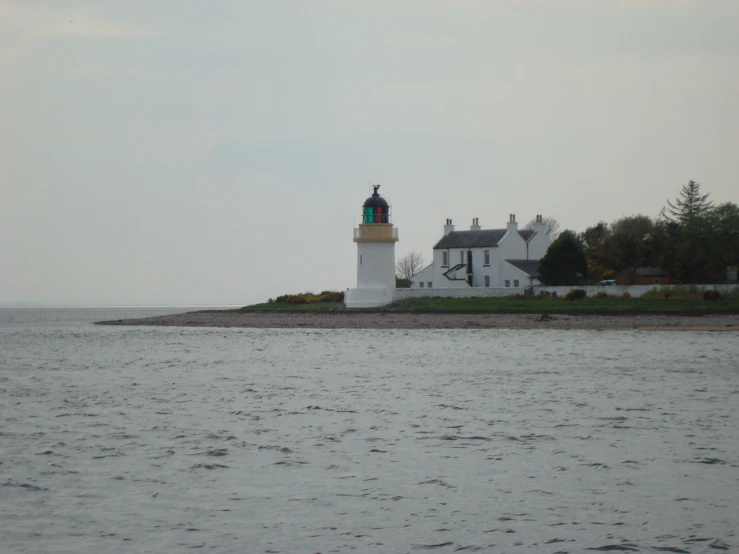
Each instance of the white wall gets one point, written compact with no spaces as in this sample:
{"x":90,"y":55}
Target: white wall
{"x":512,"y":273}
{"x":369,"y":297}
{"x":538,"y":245}
{"x":439,"y":279}
{"x":376,"y":265}
{"x":469,"y":292}
{"x":634,"y":290}
{"x":511,"y":246}
{"x":426,"y":275}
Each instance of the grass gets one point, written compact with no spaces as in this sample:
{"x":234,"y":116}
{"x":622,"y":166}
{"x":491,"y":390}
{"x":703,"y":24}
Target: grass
{"x":586,"y":305}
{"x":277,"y":307}
{"x":685,"y":301}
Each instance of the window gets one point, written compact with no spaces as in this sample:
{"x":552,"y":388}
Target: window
{"x":507,"y":283}
{"x":487,"y":257}
{"x":429,"y":285}
{"x":515,"y":283}
{"x":656,"y":281}
{"x":445,"y":259}
{"x":360,"y":259}
{"x":461,"y":256}
{"x":420,"y":284}
{"x":487,"y":280}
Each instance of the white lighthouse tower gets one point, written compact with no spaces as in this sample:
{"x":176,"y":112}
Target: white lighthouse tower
{"x":375,"y":237}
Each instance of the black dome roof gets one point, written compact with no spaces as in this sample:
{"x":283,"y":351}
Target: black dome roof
{"x":376,"y":201}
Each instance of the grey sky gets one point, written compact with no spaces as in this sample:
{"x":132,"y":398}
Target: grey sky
{"x":183,"y":152}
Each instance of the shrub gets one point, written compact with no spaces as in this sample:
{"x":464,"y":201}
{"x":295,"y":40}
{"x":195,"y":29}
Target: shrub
{"x":331,"y":296}
{"x":546,"y":294}
{"x":711,"y":295}
{"x":296,"y":299}
{"x":516,"y":297}
{"x":575,"y":294}
{"x":309,"y":297}
{"x":625,"y":294}
{"x":601,"y":294}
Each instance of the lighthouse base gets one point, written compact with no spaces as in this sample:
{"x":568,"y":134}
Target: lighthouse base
{"x":368,"y":298}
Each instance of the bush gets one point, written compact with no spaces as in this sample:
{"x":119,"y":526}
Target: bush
{"x":601,"y":294}
{"x":575,"y":294}
{"x":309,"y":297}
{"x":625,"y":295}
{"x":711,"y":295}
{"x":331,"y":296}
{"x":296,"y":299}
{"x":516,"y":297}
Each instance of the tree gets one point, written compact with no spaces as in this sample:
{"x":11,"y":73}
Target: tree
{"x":725,"y":219}
{"x":551,"y":226}
{"x":565,"y":262}
{"x":594,"y":239}
{"x":709,"y":243}
{"x":688,"y":205}
{"x":407,"y":266}
{"x":630,"y":244}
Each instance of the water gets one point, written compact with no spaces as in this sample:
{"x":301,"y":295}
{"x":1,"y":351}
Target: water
{"x":236,"y":440}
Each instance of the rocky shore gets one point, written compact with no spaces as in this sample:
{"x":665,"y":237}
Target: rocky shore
{"x":384,"y":320}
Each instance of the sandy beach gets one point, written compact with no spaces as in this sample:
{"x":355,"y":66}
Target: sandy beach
{"x":381,"y":320}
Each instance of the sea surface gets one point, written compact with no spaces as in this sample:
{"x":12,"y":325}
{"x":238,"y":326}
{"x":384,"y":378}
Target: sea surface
{"x":144,"y":439}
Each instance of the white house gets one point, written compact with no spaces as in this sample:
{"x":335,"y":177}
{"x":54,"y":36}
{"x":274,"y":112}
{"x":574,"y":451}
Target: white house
{"x":494,"y":258}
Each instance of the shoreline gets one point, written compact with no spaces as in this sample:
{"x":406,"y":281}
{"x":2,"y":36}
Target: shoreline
{"x":421,"y":320}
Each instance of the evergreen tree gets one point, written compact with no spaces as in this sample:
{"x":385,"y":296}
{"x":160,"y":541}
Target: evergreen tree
{"x":565,"y":262}
{"x":688,"y":205}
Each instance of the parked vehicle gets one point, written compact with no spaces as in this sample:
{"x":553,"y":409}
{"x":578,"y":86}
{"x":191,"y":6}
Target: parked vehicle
{"x":607,"y":283}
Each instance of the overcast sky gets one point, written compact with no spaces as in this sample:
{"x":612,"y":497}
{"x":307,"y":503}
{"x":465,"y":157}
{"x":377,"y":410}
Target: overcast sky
{"x":171,"y":151}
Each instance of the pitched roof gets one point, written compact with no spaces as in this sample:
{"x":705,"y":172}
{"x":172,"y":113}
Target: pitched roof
{"x":526,"y":234}
{"x":529,"y":267}
{"x":478,"y":239}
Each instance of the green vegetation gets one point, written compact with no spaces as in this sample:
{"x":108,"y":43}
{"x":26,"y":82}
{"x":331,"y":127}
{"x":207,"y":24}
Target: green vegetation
{"x":574,"y":303}
{"x":682,"y":299}
{"x":564,"y":261}
{"x":274,"y":306}
{"x":326,"y":300}
{"x":693,"y":240}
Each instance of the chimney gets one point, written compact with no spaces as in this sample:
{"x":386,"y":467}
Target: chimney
{"x":540,"y":226}
{"x":475,"y":224}
{"x":449,"y":227}
{"x":512,"y":224}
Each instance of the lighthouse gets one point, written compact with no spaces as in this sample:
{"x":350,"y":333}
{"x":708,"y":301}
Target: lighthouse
{"x":375,"y":237}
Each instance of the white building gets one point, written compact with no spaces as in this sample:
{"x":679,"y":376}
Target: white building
{"x":492,"y":258}
{"x":375,"y":237}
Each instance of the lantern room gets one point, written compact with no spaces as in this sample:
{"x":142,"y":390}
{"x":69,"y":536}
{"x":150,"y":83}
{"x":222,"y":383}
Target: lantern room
{"x":376,"y":225}
{"x":375,"y":209}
